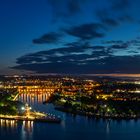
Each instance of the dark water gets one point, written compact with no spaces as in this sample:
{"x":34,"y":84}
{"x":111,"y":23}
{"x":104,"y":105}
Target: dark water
{"x":71,"y":128}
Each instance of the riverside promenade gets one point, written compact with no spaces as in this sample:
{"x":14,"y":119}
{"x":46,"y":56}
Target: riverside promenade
{"x":47,"y":118}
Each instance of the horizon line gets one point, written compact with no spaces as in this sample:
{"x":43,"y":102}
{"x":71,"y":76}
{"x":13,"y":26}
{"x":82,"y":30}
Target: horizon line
{"x":99,"y":74}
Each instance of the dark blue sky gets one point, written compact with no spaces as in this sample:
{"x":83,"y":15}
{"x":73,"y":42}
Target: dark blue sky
{"x":69,"y":36}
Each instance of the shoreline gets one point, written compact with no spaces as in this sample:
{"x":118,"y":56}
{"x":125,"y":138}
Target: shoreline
{"x":20,"y":118}
{"x":98,"y":116}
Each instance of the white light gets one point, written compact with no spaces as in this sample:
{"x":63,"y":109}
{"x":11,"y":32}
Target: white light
{"x":23,"y":108}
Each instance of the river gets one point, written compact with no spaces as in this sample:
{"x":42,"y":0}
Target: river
{"x":71,"y":128}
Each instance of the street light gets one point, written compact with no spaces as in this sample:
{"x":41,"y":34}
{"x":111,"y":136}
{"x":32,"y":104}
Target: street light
{"x":22,"y":108}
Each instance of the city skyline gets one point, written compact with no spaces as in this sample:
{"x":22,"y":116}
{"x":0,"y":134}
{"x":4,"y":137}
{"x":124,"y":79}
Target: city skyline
{"x":70,"y":36}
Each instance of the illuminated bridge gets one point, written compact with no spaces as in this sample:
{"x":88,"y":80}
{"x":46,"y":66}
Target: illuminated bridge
{"x":36,"y":89}
{"x":45,"y":89}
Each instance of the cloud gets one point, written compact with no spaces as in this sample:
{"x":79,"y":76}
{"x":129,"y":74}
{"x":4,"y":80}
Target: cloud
{"x":74,"y":6}
{"x":83,"y":32}
{"x":49,"y":38}
{"x":85,"y":64}
{"x":79,"y":44}
{"x":86,"y":31}
{"x":65,"y":8}
{"x":63,"y":60}
{"x":126,"y":18}
{"x":110,"y":22}
{"x":84,"y":58}
{"x":122,"y":46}
{"x":120,"y":4}
{"x":110,"y":16}
{"x":115,"y":13}
{"x":113,"y":42}
{"x":80,"y":56}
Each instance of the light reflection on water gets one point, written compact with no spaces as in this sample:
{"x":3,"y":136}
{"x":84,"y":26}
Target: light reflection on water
{"x":32,"y":98}
{"x":27,"y":129}
{"x":13,"y":126}
{"x":8,"y":123}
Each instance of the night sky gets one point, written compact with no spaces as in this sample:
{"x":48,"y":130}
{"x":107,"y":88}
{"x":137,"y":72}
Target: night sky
{"x":69,"y":36}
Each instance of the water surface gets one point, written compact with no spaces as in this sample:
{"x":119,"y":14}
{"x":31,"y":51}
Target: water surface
{"x":71,"y":128}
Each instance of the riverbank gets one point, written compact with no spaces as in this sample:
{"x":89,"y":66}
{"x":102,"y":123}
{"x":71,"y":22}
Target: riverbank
{"x":97,"y":115}
{"x":92,"y":106}
{"x":47,"y":119}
